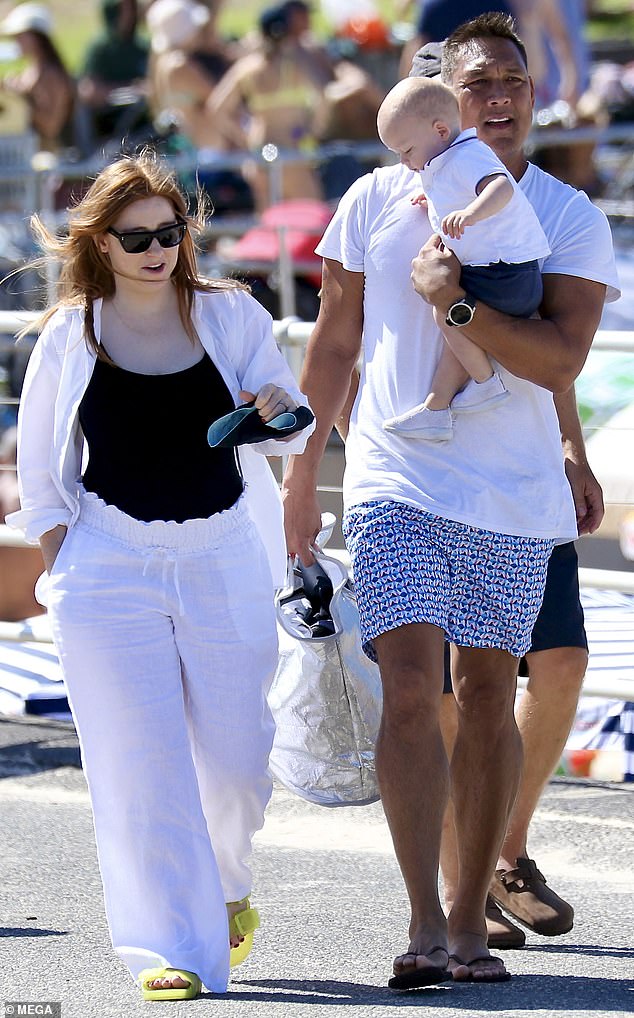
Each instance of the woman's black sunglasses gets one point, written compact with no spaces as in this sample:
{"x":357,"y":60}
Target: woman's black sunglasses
{"x":138,"y":241}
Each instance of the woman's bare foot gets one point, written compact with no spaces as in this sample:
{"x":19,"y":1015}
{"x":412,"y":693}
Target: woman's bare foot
{"x":235,"y":939}
{"x":175,"y":983}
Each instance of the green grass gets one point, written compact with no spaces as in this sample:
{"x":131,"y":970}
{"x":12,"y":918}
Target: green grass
{"x":77,"y":21}
{"x":614,"y":24}
{"x":74,"y":29}
{"x":240,"y":16}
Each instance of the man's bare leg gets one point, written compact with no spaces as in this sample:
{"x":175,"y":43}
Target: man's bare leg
{"x":502,"y":934}
{"x":414,"y":779}
{"x":448,"y":845}
{"x":545,"y":715}
{"x":483,"y":795}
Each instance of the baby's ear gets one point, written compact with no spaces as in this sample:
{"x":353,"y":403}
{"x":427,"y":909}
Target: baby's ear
{"x":442,"y":129}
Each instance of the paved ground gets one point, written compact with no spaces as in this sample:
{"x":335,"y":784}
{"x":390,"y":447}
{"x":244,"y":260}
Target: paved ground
{"x":332,"y":904}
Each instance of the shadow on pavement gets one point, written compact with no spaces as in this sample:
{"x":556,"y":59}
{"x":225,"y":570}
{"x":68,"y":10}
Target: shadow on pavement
{"x":547,"y":993}
{"x":29,"y":745}
{"x":27,"y":931}
{"x":31,"y":757}
{"x":329,"y":992}
{"x":592,"y":950}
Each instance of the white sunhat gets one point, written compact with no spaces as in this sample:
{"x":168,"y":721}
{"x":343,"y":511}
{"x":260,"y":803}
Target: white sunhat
{"x":27,"y":18}
{"x":172,"y":23}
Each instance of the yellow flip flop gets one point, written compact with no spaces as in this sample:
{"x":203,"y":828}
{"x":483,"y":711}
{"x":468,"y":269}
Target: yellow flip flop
{"x":175,"y":993}
{"x":242,"y":924}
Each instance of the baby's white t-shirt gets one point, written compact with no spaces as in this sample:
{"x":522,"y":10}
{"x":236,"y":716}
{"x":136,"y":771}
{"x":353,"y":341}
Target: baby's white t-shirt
{"x":450,"y":182}
{"x":503,"y":469}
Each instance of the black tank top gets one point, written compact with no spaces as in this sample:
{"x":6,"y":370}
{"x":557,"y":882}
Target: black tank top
{"x":147,"y":442}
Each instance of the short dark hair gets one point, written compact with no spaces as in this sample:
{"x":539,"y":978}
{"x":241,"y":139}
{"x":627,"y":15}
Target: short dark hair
{"x":492,"y":25}
{"x":274,"y":22}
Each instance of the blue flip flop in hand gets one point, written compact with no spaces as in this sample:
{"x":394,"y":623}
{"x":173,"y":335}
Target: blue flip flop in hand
{"x":244,"y":426}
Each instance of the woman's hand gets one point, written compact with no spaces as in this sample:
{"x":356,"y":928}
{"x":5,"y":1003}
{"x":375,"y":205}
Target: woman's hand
{"x":271,"y":401}
{"x":50,"y":543}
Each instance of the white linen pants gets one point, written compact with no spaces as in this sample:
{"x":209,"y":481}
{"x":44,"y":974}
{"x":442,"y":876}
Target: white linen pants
{"x":167,"y":638}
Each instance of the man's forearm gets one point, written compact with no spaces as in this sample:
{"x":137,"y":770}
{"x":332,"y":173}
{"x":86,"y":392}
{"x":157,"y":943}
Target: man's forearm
{"x":549,"y":351}
{"x":529,"y":348}
{"x":331,"y":355}
{"x":325,"y":381}
{"x":569,"y":423}
{"x":586,"y":490}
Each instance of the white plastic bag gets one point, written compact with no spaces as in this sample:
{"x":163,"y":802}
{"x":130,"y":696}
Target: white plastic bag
{"x":326,"y":695}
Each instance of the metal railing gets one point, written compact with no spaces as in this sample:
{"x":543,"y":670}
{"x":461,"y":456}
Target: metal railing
{"x":292,"y":335}
{"x":46,"y":170}
{"x":43,"y":172}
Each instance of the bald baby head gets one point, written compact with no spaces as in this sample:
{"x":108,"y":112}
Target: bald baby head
{"x":418,"y":119}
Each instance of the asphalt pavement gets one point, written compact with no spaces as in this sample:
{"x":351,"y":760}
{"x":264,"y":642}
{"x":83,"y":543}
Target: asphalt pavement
{"x":331,"y":899}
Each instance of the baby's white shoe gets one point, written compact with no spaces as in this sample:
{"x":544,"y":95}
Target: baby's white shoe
{"x":421,"y":422}
{"x":480,"y":395}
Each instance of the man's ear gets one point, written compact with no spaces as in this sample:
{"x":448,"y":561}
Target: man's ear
{"x":532,"y":85}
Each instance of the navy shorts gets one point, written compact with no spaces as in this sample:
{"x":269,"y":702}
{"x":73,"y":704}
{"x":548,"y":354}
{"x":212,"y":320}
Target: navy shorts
{"x":513,"y":289}
{"x":560,"y":619}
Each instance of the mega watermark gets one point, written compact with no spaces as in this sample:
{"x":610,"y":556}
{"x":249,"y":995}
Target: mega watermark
{"x":50,"y":1008}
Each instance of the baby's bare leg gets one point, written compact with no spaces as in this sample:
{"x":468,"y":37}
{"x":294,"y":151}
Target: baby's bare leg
{"x":431,"y":419}
{"x":463,"y":380}
{"x":449,"y":378}
{"x":475,"y":362}
{"x":478,"y":388}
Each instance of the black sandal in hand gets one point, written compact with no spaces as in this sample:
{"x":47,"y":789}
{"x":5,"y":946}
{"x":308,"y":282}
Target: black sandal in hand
{"x":244,"y":426}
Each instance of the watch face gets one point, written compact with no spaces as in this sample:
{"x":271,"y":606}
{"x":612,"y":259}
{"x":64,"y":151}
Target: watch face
{"x":460,"y":314}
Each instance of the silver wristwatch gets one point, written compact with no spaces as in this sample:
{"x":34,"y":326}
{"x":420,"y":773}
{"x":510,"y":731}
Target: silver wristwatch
{"x":461,"y":312}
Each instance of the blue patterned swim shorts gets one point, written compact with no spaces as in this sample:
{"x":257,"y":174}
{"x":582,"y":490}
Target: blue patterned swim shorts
{"x":483,"y":589}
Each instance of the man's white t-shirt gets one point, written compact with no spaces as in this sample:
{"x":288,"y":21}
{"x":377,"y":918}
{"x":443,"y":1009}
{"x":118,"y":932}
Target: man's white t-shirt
{"x":450,"y":181}
{"x":503,"y":469}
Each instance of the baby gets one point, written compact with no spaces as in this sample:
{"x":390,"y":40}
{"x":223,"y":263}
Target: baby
{"x":473,"y":201}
